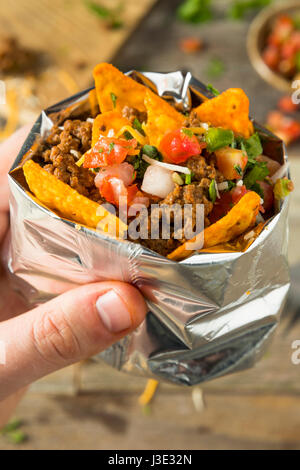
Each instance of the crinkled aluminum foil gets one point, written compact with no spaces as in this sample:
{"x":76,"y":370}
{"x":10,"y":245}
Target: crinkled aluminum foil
{"x":210,"y":315}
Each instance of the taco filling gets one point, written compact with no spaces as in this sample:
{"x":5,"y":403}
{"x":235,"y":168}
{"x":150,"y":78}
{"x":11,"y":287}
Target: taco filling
{"x":137,"y":151}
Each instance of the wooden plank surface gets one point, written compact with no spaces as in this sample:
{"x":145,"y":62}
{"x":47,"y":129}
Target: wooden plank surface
{"x":67,"y":34}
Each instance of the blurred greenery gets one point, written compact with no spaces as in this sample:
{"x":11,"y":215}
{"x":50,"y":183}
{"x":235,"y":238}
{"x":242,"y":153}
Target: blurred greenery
{"x":199,"y":11}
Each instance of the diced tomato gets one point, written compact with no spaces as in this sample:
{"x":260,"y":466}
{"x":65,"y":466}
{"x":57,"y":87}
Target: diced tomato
{"x":286,"y":105}
{"x":115,"y":191}
{"x":177,"y":146}
{"x":271,"y":57}
{"x":268,"y":198}
{"x":108,"y":151}
{"x":131,"y":193}
{"x":237,"y":193}
{"x":231,"y":162}
{"x":283,"y":27}
{"x":286,"y":128}
{"x":221,"y":207}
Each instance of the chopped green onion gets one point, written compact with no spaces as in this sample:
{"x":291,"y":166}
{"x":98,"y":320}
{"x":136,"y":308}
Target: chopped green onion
{"x":212,"y":191}
{"x":177,"y":178}
{"x":188,"y":179}
{"x":217,"y":138}
{"x":213,"y":90}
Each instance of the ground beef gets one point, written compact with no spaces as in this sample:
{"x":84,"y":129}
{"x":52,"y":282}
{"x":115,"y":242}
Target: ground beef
{"x":192,"y":121}
{"x":133,"y":113}
{"x":62,"y":149}
{"x":196,"y":193}
{"x":204,"y":167}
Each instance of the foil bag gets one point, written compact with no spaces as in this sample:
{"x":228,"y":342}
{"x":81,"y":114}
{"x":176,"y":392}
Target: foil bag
{"x":209,"y":315}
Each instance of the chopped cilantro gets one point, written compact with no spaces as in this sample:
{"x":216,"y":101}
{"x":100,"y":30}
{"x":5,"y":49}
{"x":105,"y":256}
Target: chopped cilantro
{"x":212,"y":191}
{"x":114,"y":99}
{"x":231,"y":184}
{"x":138,"y":126}
{"x":151,"y":152}
{"x":257,"y":173}
{"x":127,"y":135}
{"x":258,"y":189}
{"x":100,"y":150}
{"x":139,"y":164}
{"x":238,"y":169}
{"x":253,"y":147}
{"x":111,"y":147}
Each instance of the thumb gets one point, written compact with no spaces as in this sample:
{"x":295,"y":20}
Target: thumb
{"x":71,"y":327}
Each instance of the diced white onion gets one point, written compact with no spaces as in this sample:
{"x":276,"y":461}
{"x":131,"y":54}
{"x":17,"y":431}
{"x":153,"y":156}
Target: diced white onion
{"x":111,"y":133}
{"x":217,"y":191}
{"x":249,"y":235}
{"x":158,"y":181}
{"x":280,"y":173}
{"x":240,"y":183}
{"x":261,"y":201}
{"x":75,"y":153}
{"x":167,"y":166}
{"x":223,"y":186}
{"x":91,"y":120}
{"x":204,"y":125}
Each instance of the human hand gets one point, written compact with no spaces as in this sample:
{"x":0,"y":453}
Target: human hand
{"x":73,"y":326}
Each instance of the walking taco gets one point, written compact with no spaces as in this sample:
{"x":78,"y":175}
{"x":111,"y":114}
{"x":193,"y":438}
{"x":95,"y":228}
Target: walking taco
{"x":128,"y":153}
{"x":136,"y":150}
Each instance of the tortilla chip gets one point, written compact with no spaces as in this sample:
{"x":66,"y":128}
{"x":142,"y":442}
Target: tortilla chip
{"x":239,"y":244}
{"x":229,"y":110}
{"x":59,"y":196}
{"x":115,"y":90}
{"x":162,"y":118}
{"x":107,"y":121}
{"x":240,"y":218}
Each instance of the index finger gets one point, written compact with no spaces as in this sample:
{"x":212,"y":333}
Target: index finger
{"x":9,"y":150}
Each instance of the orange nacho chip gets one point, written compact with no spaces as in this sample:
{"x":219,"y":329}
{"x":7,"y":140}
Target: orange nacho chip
{"x":229,"y":110}
{"x":237,"y":221}
{"x":59,"y":196}
{"x":107,"y":121}
{"x":115,"y":90}
{"x":162,"y":118}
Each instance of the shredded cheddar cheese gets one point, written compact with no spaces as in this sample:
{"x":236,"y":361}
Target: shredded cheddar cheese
{"x":136,"y":134}
{"x":149,"y":392}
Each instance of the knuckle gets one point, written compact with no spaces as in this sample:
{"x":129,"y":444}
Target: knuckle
{"x":55,"y":340}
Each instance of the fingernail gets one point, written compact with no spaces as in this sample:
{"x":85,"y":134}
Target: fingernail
{"x":113,"y":312}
